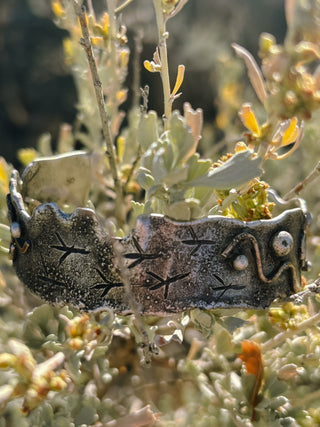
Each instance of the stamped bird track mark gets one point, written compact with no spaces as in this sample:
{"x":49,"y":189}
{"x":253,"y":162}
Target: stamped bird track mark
{"x":165,"y":282}
{"x":224,"y":288}
{"x":196,"y":242}
{"x":140,"y":255}
{"x":68,"y":250}
{"x":107,"y":285}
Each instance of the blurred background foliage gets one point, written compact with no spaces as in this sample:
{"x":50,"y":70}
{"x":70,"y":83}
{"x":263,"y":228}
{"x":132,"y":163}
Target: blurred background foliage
{"x":64,"y":368}
{"x":38,"y":93}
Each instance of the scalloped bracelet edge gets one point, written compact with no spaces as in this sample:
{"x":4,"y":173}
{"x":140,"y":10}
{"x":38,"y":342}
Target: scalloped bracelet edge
{"x":213,"y":262}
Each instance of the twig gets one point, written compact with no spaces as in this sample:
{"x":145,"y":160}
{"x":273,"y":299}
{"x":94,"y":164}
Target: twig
{"x":136,"y":69}
{"x":301,"y":186}
{"x":133,"y":167}
{"x":105,"y":120}
{"x":177,"y":9}
{"x":112,"y":94}
{"x":144,"y":93}
{"x":305,"y":401}
{"x":161,"y":24}
{"x":309,"y":291}
{"x":275,"y":341}
{"x":147,"y":348}
{"x":123,"y":6}
{"x":142,"y":417}
{"x":90,"y":9}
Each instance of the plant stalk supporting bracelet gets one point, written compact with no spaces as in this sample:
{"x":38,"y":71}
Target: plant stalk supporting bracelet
{"x":214,"y":262}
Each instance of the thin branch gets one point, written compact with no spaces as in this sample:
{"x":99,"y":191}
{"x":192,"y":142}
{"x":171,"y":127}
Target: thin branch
{"x":141,"y":417}
{"x":161,"y":24}
{"x":133,"y":167}
{"x":177,"y":9}
{"x":112,"y":94}
{"x":123,"y":6}
{"x":308,"y":292}
{"x":105,"y":120}
{"x":147,"y":348}
{"x":278,"y":339}
{"x":302,"y":185}
{"x":136,"y":69}
{"x":305,"y":400}
{"x":91,"y":9}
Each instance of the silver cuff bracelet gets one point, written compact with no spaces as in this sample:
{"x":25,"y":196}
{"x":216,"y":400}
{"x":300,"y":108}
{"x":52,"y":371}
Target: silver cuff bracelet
{"x":214,"y":262}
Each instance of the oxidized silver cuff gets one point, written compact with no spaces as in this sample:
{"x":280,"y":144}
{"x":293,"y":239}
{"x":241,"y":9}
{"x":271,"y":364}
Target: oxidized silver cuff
{"x":214,"y":262}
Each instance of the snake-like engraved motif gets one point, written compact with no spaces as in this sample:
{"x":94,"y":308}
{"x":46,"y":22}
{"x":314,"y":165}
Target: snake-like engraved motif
{"x":251,"y":238}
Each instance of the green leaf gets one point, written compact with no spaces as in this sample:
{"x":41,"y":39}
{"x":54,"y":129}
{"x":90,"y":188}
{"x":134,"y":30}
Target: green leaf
{"x":197,"y":167}
{"x":138,"y":208}
{"x":181,"y":211}
{"x":148,"y":130}
{"x":235,"y":172}
{"x":176,"y":176}
{"x":145,"y":179}
{"x":180,"y":137}
{"x":158,"y":191}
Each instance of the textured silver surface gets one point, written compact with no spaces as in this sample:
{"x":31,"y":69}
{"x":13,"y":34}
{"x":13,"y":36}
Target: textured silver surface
{"x":215,"y":262}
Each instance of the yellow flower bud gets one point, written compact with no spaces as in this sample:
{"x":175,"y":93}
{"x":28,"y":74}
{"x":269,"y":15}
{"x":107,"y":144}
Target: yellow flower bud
{"x":27,"y":155}
{"x":76,"y":343}
{"x":240,"y":146}
{"x":292,"y":132}
{"x":77,"y":326}
{"x":7,"y":360}
{"x":290,"y":98}
{"x":249,"y":119}
{"x":121,"y":96}
{"x":179,"y":80}
{"x":152,"y":66}
{"x":57,"y":9}
{"x":124,"y":58}
{"x":105,"y":23}
{"x":121,"y":142}
{"x":57,"y":383}
{"x":266,"y":42}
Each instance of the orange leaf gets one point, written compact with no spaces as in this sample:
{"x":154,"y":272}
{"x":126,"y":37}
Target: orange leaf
{"x":252,"y":358}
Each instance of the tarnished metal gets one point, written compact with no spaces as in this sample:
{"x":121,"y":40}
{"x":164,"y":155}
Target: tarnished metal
{"x":214,"y":262}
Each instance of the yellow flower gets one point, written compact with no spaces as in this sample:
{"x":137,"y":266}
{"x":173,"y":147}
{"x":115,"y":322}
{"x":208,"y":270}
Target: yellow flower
{"x":121,"y":95}
{"x":292,"y":132}
{"x":230,"y":94}
{"x":68,"y":50}
{"x":57,"y":8}
{"x":249,"y":119}
{"x":169,"y":5}
{"x":286,"y":133}
{"x":222,"y":119}
{"x":27,"y":155}
{"x":96,"y":41}
{"x":152,"y":66}
{"x":4,"y":175}
{"x":124,"y":58}
{"x":7,"y":360}
{"x":240,"y":146}
{"x":179,"y":80}
{"x":105,"y":23}
{"x":121,"y":142}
